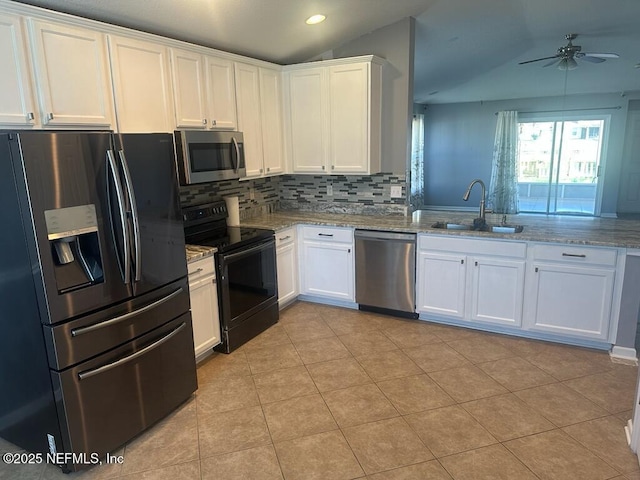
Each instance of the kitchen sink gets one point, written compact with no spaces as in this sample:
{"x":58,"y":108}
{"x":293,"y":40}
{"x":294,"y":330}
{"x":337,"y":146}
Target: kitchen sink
{"x":484,"y":228}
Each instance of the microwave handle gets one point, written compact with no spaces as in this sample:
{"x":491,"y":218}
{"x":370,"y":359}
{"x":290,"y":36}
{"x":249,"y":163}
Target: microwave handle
{"x":237,"y":148}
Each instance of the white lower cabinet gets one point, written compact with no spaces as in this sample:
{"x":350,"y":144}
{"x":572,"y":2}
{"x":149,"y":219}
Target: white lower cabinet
{"x":475,"y":280}
{"x":570,"y":291}
{"x":327,"y":262}
{"x":204,"y":306}
{"x":441,"y":283}
{"x":287,"y":263}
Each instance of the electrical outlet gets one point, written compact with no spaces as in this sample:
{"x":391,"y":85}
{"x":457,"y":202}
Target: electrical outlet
{"x":252,"y":193}
{"x":396,"y":191}
{"x":329,"y":190}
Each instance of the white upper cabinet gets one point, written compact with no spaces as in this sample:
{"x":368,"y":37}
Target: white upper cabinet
{"x":72,"y":75}
{"x":142,"y":85}
{"x":334,"y":114}
{"x":259,"y":100}
{"x":16,"y":96}
{"x":271,"y":114}
{"x":249,"y":117}
{"x":204,"y":91}
{"x":307,"y":109}
{"x":188,"y":89}
{"x":221,"y":94}
{"x":349,"y":118}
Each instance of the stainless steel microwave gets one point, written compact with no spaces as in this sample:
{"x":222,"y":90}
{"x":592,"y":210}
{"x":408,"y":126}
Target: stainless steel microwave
{"x":208,"y":156}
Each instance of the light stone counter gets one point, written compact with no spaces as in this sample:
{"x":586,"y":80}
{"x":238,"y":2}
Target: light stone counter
{"x":607,"y":232}
{"x":196,"y":252}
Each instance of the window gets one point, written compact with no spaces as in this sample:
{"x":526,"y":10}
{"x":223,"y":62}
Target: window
{"x":558,"y":165}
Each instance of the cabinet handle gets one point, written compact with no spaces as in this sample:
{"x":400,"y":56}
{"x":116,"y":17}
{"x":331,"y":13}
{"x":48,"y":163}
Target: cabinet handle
{"x":260,"y":170}
{"x":325,"y":234}
{"x":332,"y":167}
{"x":214,"y":122}
{"x":576,"y":255}
{"x":323,"y":167}
{"x":476,"y":264}
{"x":204,"y":121}
{"x":461,"y":262}
{"x":268,"y":169}
{"x":31,"y":116}
{"x":536,"y":269}
{"x":197,"y":270}
{"x":348,"y":250}
{"x":49,"y":116}
{"x":285,"y":238}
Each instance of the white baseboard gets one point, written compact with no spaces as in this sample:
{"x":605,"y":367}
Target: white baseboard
{"x":624,"y":355}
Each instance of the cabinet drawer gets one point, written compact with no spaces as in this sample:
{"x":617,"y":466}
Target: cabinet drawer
{"x":574,"y":254}
{"x":447,"y":243}
{"x":285,"y":237}
{"x":330,"y":234}
{"x":201,"y":268}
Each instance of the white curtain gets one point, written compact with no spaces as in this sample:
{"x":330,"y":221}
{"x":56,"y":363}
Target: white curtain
{"x":503,"y":188}
{"x":417,"y":162}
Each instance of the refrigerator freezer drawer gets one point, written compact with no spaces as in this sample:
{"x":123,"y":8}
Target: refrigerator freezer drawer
{"x":75,"y":341}
{"x":106,"y":401}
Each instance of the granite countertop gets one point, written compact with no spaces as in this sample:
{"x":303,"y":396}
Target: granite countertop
{"x":196,"y":252}
{"x":607,"y":232}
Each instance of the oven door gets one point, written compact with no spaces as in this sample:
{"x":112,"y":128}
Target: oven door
{"x":247,"y":282}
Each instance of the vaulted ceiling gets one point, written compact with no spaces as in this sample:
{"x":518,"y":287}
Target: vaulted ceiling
{"x":466,"y":50}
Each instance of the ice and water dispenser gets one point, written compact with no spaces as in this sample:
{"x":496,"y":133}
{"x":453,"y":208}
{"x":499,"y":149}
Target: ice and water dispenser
{"x":73,"y":237}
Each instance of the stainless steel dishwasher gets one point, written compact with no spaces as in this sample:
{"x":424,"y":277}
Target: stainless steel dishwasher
{"x":386,"y":272}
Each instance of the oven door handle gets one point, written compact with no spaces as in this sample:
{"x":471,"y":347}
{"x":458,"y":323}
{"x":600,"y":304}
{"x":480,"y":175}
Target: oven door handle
{"x":96,"y":326}
{"x":133,"y":356}
{"x":229,"y":257}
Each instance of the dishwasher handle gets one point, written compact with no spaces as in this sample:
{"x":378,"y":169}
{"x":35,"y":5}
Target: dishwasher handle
{"x":379,"y":235}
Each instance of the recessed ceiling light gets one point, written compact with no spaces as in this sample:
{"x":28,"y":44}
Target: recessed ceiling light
{"x":313,"y":19}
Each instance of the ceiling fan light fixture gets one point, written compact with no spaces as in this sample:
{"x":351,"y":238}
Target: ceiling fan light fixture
{"x":315,"y":19}
{"x":568,"y":64}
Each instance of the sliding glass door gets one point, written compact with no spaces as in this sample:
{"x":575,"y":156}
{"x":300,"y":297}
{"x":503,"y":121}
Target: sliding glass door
{"x":559,"y":165}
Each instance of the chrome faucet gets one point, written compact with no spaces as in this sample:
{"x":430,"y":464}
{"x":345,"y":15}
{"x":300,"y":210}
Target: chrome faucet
{"x":481,"y":219}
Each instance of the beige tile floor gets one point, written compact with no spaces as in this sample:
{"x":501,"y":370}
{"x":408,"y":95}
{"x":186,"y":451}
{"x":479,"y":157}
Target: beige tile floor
{"x":331,"y":393}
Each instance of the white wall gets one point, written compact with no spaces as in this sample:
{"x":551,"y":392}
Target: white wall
{"x":459,"y":144}
{"x":395,"y":43}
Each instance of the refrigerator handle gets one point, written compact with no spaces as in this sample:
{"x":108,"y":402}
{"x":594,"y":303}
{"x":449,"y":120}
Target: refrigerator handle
{"x":126,"y":270}
{"x":134,"y":214}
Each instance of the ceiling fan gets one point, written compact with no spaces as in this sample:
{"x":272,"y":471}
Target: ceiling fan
{"x":566,"y":56}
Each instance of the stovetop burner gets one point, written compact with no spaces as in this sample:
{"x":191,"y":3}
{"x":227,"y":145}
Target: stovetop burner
{"x":206,"y":225}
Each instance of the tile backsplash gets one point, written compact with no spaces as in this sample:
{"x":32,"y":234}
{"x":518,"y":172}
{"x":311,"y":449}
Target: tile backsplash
{"x":254,"y":196}
{"x":368,"y":194}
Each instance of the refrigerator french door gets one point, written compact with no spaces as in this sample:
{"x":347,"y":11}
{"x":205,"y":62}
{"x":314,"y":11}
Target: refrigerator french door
{"x":96,"y":262}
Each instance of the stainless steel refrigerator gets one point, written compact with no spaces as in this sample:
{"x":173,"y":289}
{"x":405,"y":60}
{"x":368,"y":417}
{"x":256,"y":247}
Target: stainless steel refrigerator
{"x":96,"y":340}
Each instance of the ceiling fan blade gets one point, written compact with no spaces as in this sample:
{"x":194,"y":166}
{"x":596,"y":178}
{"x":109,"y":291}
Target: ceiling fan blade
{"x":538,"y":59}
{"x":597,"y":55}
{"x":589,"y":59}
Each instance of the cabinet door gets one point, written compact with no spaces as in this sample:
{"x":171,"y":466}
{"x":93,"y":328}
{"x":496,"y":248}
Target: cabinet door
{"x":497,"y":291}
{"x":188,"y":89}
{"x":307,"y":120}
{"x":287,"y":273}
{"x":349,"y":114}
{"x":327,"y":270}
{"x":72,"y":75}
{"x":142,"y":86}
{"x":204,"y":313}
{"x":249,"y":118}
{"x":441,"y":284}
{"x":271,"y":109}
{"x":221,"y":94}
{"x":569,"y":300}
{"x":16,"y":96}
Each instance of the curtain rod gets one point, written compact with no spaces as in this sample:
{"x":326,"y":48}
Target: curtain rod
{"x":572,"y":110}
